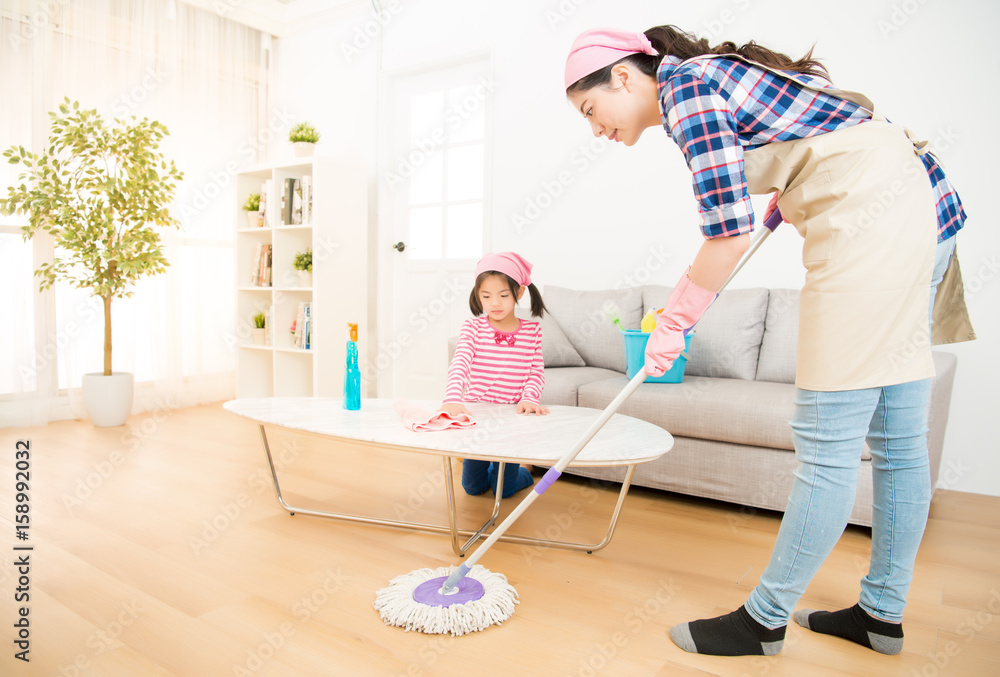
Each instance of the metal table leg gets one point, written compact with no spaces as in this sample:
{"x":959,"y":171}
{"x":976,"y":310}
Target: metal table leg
{"x":452,"y":529}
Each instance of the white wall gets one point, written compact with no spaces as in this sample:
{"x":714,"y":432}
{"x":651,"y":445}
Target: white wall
{"x":591,"y":214}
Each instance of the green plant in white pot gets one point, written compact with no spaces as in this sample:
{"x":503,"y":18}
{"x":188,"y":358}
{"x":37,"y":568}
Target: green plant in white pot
{"x":252,"y":207}
{"x":304,"y":138}
{"x":259,"y":332}
{"x":101,"y":191}
{"x":303,"y":265}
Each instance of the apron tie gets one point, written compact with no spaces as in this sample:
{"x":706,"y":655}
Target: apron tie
{"x":920,"y":146}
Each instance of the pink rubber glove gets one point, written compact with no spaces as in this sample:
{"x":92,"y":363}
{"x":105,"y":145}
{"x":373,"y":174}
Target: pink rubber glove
{"x":687,"y":303}
{"x":771,"y":206}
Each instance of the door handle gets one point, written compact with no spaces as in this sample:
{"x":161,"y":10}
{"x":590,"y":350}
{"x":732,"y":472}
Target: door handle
{"x":399,"y":246}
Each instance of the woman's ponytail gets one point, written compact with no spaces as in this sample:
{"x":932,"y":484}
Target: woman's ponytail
{"x":674,"y":41}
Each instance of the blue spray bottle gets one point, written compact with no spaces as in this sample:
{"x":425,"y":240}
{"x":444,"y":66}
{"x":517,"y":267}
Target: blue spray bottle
{"x":352,"y":375}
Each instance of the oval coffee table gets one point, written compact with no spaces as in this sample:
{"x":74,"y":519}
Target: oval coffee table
{"x":500,"y":434}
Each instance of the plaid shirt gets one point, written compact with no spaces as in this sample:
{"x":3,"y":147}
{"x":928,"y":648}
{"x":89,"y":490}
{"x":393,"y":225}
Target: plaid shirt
{"x":715,"y":109}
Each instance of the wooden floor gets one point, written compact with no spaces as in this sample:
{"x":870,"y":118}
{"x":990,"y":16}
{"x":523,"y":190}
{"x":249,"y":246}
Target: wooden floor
{"x":159,"y":549}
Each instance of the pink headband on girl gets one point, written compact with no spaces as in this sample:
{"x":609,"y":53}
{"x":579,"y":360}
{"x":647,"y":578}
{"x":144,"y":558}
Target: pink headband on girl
{"x":507,"y":263}
{"x":600,"y":47}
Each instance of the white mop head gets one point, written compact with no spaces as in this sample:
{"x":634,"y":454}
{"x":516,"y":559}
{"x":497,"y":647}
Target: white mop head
{"x":396,"y":605}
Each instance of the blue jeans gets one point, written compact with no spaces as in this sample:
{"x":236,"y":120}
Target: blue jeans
{"x":478,"y":476}
{"x":828,"y":429}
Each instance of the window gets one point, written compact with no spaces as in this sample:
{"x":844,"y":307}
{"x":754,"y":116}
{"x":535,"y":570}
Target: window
{"x":439,"y":173}
{"x":204,"y":77}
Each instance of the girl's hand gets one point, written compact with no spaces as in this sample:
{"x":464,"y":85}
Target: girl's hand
{"x":456,"y":408}
{"x":525,"y":407}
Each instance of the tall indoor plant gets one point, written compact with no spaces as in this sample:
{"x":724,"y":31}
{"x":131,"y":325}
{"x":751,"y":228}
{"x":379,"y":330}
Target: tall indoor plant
{"x":101,"y":191}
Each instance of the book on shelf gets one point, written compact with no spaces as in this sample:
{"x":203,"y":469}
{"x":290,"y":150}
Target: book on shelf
{"x":302,"y":328}
{"x":255,"y":275}
{"x":287,"y":197}
{"x":281,"y":205}
{"x":261,"y":276}
{"x":307,"y":329}
{"x":265,"y":190}
{"x":307,"y":199}
{"x":297,"y":202}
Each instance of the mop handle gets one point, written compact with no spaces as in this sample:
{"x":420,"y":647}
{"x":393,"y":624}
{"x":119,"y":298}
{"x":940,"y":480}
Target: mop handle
{"x":553,"y":473}
{"x":770,"y":224}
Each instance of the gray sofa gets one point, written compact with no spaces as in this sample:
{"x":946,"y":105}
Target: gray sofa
{"x":730,"y":415}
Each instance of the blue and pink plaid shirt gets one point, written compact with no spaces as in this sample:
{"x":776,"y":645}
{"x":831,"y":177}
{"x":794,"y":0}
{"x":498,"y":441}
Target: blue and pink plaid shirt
{"x":717,"y":108}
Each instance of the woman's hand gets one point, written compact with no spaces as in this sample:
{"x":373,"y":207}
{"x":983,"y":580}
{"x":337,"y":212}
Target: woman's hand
{"x":687,"y":303}
{"x":662,"y":348}
{"x":771,"y":206}
{"x":456,"y":408}
{"x":525,"y":407}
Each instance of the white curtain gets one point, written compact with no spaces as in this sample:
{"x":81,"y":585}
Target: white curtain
{"x":205,"y":78}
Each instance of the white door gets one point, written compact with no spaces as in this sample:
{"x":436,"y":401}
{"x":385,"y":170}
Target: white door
{"x":433,"y":201}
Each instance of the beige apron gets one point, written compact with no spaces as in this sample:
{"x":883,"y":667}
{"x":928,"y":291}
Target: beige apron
{"x":951,"y":316}
{"x":861,"y":199}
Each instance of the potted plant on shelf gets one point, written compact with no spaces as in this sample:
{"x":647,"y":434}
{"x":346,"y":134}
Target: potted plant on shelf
{"x":259,"y":331}
{"x":252,"y":207}
{"x":101,"y":191}
{"x":303,"y":264}
{"x":304,"y":138}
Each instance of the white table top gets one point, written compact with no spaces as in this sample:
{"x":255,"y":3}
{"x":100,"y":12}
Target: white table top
{"x":500,"y":433}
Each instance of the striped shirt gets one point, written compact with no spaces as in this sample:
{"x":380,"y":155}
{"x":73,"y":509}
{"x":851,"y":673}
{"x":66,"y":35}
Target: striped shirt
{"x":717,"y":108}
{"x":487,"y":370}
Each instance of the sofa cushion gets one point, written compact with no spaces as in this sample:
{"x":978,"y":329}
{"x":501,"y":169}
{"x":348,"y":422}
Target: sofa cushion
{"x":563,"y":383}
{"x":587,"y":318}
{"x":725,"y":410}
{"x":726,"y":341}
{"x":557,"y":351}
{"x":779,"y":347}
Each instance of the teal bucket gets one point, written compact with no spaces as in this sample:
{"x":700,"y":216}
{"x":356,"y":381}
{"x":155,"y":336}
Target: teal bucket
{"x":635,"y":357}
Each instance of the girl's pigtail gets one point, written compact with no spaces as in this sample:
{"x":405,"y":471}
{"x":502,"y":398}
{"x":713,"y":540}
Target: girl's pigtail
{"x":475,"y":305}
{"x":537,"y":305}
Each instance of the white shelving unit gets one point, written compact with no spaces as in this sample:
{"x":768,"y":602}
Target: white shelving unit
{"x":337,"y":235}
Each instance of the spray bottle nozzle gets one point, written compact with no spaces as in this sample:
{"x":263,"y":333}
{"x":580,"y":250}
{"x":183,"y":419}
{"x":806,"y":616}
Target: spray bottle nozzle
{"x":353,"y":327}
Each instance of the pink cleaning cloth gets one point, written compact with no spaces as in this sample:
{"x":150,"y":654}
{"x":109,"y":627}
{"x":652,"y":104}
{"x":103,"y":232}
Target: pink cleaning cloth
{"x":419,"y":419}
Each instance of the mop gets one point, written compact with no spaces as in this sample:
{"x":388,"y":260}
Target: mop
{"x":469,"y":598}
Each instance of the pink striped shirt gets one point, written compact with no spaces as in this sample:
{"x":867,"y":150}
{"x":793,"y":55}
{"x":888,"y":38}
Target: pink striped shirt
{"x":484,"y":370}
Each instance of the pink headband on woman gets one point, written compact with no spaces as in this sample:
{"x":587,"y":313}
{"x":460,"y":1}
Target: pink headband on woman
{"x":507,"y":263}
{"x":600,"y":47}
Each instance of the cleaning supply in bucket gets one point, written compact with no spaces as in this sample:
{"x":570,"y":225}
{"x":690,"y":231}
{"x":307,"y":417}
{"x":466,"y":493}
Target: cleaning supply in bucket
{"x":635,"y":356}
{"x":648,"y":323}
{"x":352,"y":374}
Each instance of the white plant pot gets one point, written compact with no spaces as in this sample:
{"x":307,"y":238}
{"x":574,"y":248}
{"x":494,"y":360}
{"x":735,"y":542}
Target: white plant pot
{"x":108,"y":399}
{"x":305,"y":278}
{"x":258,"y":336}
{"x":255,"y":219}
{"x":303,"y":148}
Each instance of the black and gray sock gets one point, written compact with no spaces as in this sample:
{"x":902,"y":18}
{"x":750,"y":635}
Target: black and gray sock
{"x":735,"y":634}
{"x":856,"y":625}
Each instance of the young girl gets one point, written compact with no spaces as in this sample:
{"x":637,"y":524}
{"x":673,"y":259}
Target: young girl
{"x":498,"y":359}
